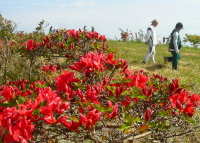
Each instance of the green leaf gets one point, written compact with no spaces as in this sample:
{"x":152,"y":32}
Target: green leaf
{"x":6,"y":102}
{"x":36,"y":111}
{"x":128,"y":118}
{"x":129,"y":106}
{"x":74,"y":118}
{"x":112,"y":50}
{"x":190,"y":120}
{"x":162,"y":113}
{"x":160,"y":126}
{"x":45,"y":85}
{"x":37,"y":85}
{"x":21,"y":98}
{"x":137,"y":119}
{"x":44,"y":103}
{"x":88,"y":103}
{"x":110,"y":99}
{"x":125,"y":126}
{"x":127,"y":80}
{"x":115,"y":81}
{"x":97,"y":106}
{"x":32,"y":95}
{"x":123,"y":109}
{"x":83,"y":87}
{"x":77,"y":85}
{"x":79,"y":102}
{"x":111,"y":88}
{"x":107,"y":109}
{"x":12,"y":103}
{"x":17,"y":102}
{"x":169,"y":113}
{"x":149,"y":124}
{"x":141,"y":96}
{"x":143,"y":129}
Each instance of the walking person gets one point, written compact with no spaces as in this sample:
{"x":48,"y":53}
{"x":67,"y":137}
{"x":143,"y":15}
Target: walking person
{"x":151,"y":42}
{"x":92,"y":30}
{"x":175,"y":46}
{"x":85,"y":28}
{"x":51,"y":29}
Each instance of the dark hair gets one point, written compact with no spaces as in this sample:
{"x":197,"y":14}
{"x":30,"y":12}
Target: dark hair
{"x":179,"y":25}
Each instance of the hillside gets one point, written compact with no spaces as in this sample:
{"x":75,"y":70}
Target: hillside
{"x":188,"y":68}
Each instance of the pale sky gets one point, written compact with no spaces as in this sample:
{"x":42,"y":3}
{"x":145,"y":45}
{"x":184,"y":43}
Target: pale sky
{"x":105,"y":15}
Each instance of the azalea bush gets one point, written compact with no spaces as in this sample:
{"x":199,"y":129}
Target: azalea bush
{"x":125,"y":34}
{"x":29,"y":52}
{"x":63,"y":48}
{"x":95,"y":105}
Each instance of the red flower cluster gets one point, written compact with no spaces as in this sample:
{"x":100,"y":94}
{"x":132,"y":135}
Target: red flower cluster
{"x":93,"y":61}
{"x":50,"y":68}
{"x":30,"y":45}
{"x":90,"y":120}
{"x":181,"y":99}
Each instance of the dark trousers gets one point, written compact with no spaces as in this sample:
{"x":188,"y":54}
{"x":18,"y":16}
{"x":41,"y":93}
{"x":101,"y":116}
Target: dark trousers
{"x":174,"y":59}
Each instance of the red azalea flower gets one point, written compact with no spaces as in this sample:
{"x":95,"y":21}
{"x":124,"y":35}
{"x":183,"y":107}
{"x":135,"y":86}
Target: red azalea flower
{"x":62,"y":45}
{"x":21,"y":132}
{"x":91,"y":93}
{"x":7,"y":94}
{"x":81,"y":110}
{"x":141,"y":80}
{"x":194,"y":99}
{"x":147,"y":92}
{"x":36,"y":45}
{"x":147,"y":115}
{"x":44,"y":68}
{"x":81,"y":95}
{"x":189,"y":109}
{"x":114,"y":112}
{"x":91,"y":119}
{"x":110,"y":59}
{"x":63,"y":80}
{"x":178,"y":105}
{"x":29,"y":44}
{"x":48,"y":112}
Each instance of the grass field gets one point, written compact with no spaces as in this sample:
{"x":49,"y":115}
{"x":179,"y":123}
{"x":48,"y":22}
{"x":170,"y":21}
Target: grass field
{"x":188,"y":67}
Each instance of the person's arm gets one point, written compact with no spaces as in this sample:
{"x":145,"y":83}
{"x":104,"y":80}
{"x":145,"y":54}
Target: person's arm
{"x":149,"y":33}
{"x":175,"y":35}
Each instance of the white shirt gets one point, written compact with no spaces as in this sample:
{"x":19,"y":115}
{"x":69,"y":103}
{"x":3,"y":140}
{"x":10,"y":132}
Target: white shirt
{"x":175,"y":41}
{"x":150,"y":34}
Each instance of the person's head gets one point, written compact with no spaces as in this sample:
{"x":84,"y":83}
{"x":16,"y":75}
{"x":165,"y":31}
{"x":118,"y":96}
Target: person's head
{"x":51,"y":27}
{"x":179,"y":26}
{"x":154,"y":22}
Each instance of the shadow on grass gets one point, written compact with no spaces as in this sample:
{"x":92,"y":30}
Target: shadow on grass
{"x":156,"y":66}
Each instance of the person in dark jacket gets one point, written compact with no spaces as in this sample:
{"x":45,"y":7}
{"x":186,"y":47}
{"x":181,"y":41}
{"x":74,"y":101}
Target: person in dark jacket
{"x":175,"y":46}
{"x":92,"y":30}
{"x":51,"y":29}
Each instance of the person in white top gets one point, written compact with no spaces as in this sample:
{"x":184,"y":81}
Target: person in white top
{"x":85,"y":28}
{"x":151,"y":42}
